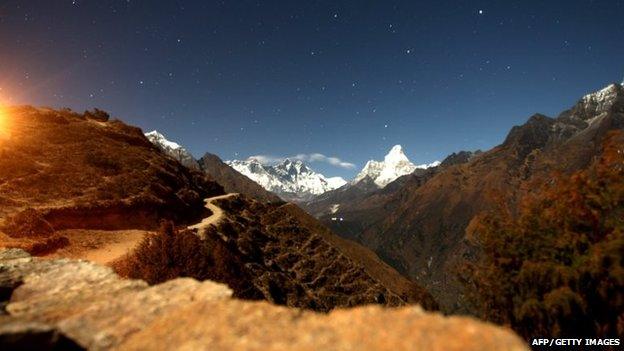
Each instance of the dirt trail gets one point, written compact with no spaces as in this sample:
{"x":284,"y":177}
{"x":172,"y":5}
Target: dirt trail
{"x":217,"y":214}
{"x":100,"y":246}
{"x":113,"y":251}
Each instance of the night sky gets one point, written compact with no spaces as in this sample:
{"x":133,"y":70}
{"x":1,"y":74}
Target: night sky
{"x":342,"y":78}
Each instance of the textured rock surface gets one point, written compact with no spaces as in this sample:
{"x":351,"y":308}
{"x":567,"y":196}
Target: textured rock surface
{"x":64,"y":304}
{"x":237,"y":325}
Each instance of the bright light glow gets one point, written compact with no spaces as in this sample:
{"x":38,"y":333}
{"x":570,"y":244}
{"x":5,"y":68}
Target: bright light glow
{"x":4,"y":123}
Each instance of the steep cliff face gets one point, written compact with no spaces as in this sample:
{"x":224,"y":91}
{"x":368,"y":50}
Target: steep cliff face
{"x":76,"y":305}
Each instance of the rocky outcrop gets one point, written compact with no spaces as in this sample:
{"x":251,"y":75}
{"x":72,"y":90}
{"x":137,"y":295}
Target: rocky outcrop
{"x":67,"y":305}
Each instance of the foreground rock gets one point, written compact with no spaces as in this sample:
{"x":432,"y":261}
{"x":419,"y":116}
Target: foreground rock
{"x":65,"y":304}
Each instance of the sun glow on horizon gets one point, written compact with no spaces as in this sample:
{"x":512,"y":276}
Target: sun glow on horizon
{"x":4,"y":123}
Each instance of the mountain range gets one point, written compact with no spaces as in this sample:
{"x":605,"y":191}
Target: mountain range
{"x":292,"y":180}
{"x":417,"y":223}
{"x":415,"y":217}
{"x":214,"y":167}
{"x":81,"y":185}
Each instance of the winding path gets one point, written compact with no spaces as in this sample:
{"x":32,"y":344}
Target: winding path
{"x":116,"y":244}
{"x":214,"y":218}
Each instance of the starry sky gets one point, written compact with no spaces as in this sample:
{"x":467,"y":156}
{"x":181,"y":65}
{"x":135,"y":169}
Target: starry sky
{"x":343,"y":79}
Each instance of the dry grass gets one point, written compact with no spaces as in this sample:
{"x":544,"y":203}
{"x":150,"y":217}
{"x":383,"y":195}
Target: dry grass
{"x":60,"y":162}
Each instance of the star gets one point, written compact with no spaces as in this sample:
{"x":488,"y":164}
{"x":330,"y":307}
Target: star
{"x":480,"y":12}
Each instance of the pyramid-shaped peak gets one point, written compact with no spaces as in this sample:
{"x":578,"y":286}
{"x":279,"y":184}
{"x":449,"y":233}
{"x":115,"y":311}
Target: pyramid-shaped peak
{"x":396,"y":149}
{"x":396,"y":154}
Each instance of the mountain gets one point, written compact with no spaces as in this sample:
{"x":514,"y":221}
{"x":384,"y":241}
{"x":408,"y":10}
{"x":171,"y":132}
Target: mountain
{"x":82,"y":186}
{"x":217,"y":170}
{"x":292,"y":180}
{"x":394,"y":165}
{"x":172,"y":149}
{"x":352,"y":208}
{"x":417,"y":224}
{"x":377,"y":178}
{"x":278,"y":253}
{"x":233,"y":181}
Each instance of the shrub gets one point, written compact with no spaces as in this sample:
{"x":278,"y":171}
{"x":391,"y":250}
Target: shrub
{"x":48,"y":246}
{"x":103,"y":161}
{"x":171,"y":253}
{"x":97,"y":114}
{"x":28,"y":223}
{"x":167,"y":255}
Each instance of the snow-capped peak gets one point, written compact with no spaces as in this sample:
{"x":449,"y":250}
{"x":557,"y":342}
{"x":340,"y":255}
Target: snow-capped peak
{"x":157,"y":138}
{"x":292,"y":179}
{"x":172,"y":149}
{"x":394,"y":165}
{"x":396,"y":155}
{"x":602,"y":100}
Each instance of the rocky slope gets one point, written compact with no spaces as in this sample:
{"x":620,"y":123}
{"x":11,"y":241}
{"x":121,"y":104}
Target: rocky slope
{"x":292,"y":180}
{"x":419,"y":227}
{"x":74,"y":305}
{"x":172,"y":149}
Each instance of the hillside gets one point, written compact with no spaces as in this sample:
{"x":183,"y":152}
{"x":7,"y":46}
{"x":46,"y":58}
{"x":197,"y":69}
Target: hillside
{"x":214,"y":167}
{"x":61,"y":170}
{"x":419,"y":227}
{"x":232,"y":181}
{"x":277,"y":253}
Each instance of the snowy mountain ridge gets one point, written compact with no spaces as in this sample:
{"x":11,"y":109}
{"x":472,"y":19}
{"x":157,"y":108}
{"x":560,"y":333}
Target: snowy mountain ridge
{"x":290,"y":179}
{"x":172,"y":149}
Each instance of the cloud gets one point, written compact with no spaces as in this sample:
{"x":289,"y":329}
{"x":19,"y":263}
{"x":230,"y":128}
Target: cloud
{"x":266,"y":160}
{"x":314,"y":157}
